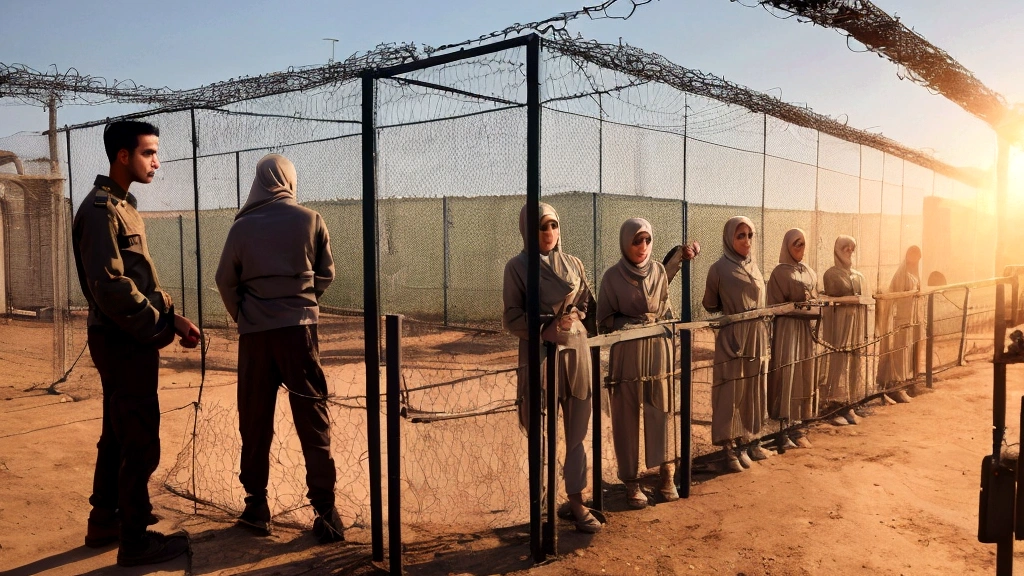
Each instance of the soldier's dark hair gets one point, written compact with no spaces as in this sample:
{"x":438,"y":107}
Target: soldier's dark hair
{"x":124,"y":135}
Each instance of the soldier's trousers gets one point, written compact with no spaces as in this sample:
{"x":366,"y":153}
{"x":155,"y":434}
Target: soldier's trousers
{"x":267,"y":359}
{"x":128,"y":451}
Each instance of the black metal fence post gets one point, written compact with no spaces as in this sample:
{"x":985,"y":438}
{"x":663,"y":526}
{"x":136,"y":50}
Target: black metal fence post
{"x":71,"y":193}
{"x":393,"y":335}
{"x":550,"y":528}
{"x":199,"y":253}
{"x":929,"y":329}
{"x":238,"y":181}
{"x":595,"y":387}
{"x":685,"y":414}
{"x":533,"y":141}
{"x":181,"y":261}
{"x":963,"y":328}
{"x":371,"y":315}
{"x":685,"y":473}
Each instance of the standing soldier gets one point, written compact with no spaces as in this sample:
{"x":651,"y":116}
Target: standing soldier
{"x":275,"y":266}
{"x":130,"y":319}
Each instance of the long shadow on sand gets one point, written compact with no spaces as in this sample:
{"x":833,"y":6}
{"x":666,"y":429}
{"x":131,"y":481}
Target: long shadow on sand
{"x":59,"y":560}
{"x":238,"y":551}
{"x":501,"y":551}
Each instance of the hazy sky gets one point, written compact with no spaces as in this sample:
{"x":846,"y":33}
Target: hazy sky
{"x":187,"y":43}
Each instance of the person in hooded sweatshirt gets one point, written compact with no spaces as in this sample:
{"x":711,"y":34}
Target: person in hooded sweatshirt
{"x":739,"y":387}
{"x":842,"y":327}
{"x":896,"y":324}
{"x":564,"y":296}
{"x":791,"y":369}
{"x":634,"y":293}
{"x":275,"y":266}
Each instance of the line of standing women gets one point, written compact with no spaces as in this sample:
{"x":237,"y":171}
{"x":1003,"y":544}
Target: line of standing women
{"x":755,"y":376}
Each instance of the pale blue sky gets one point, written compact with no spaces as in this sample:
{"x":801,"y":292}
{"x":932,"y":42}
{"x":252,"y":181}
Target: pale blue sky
{"x":188,"y":43}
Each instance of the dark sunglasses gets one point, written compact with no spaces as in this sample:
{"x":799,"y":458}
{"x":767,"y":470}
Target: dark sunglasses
{"x":641,"y":239}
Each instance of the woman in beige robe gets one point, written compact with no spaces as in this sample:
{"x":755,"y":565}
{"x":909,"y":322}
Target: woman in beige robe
{"x":842,"y":326}
{"x":896,"y":323}
{"x":634,"y":293}
{"x":735,"y":285}
{"x":564,"y":295}
{"x":791,"y":369}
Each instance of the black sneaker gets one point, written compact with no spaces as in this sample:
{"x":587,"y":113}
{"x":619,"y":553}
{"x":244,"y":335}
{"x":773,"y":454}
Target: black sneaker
{"x":152,"y":548}
{"x":256,"y":515}
{"x":327,"y":527}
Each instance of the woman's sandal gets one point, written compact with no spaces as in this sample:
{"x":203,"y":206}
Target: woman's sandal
{"x":589,"y":524}
{"x":635,"y":497}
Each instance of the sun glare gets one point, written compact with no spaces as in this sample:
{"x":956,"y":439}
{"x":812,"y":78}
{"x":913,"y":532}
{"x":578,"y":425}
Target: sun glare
{"x":1015,"y":186}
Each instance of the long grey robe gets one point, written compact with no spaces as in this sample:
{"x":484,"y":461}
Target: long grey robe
{"x":896,"y":351}
{"x":563,"y":285}
{"x":791,"y":369}
{"x":843,"y":326}
{"x":738,"y":393}
{"x":639,"y":371}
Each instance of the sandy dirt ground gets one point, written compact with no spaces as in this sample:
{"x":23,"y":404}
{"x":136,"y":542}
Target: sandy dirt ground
{"x":897,"y":494}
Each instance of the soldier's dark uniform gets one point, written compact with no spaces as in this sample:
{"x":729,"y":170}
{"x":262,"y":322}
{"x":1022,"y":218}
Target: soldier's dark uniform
{"x":130,"y":319}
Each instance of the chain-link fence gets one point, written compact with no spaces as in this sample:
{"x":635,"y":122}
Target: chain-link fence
{"x":451,"y":176}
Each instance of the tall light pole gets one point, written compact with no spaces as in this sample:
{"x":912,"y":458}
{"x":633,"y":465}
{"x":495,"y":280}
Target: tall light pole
{"x":333,"y":41}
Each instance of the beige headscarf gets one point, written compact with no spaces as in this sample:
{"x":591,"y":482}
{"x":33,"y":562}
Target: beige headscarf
{"x":558,"y":278}
{"x":792,"y":235}
{"x":627,"y":232}
{"x":841,"y":259}
{"x":275,"y":180}
{"x":747,"y":263}
{"x":908,"y":275}
{"x":648,"y":286}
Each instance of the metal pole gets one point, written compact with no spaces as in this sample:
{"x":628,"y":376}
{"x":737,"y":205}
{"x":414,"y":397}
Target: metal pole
{"x":71,"y":195}
{"x":550,"y":531}
{"x":764,"y":181}
{"x":371,"y":315}
{"x":181,"y":261}
{"x":685,"y":411}
{"x":600,"y":186}
{"x":595,"y":386}
{"x":963,"y":328}
{"x":533,"y":141}
{"x":393,"y":334}
{"x":999,"y":377}
{"x":685,"y":372}
{"x":199,"y":254}
{"x":1015,"y":300}
{"x":70,"y":222}
{"x":238,"y":182}
{"x":930,"y":343}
